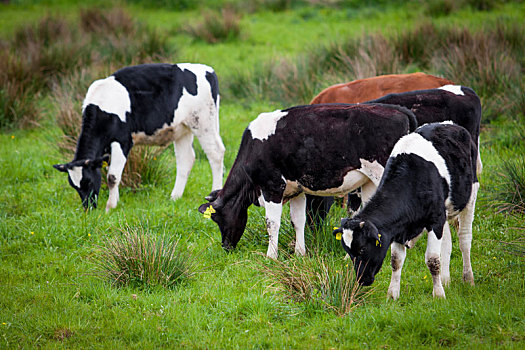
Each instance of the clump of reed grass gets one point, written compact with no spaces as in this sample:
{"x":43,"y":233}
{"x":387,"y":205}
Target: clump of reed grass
{"x":216,"y":26}
{"x":317,"y":279}
{"x":137,"y":258}
{"x":509,"y":194}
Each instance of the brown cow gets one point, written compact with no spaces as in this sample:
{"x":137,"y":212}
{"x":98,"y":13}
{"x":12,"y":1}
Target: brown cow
{"x":369,"y":89}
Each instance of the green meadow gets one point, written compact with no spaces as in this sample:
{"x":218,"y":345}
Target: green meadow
{"x":64,"y":283}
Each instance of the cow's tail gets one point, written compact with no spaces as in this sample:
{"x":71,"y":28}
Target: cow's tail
{"x":412,"y":120}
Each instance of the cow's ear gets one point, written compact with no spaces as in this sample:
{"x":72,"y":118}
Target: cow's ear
{"x":371,"y":230}
{"x":204,"y":207}
{"x":212,"y":196}
{"x":61,"y":167}
{"x":97,"y":162}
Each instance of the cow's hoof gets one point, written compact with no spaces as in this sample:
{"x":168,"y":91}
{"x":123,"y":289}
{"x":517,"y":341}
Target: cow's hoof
{"x":445,"y":280}
{"x":393,"y":293}
{"x":439,"y":293}
{"x":468,"y":277}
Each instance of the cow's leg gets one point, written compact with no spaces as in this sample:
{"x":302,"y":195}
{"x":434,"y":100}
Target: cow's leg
{"x":317,"y":209}
{"x":116,"y":167}
{"x":212,"y":145}
{"x":466,"y":217}
{"x":185,"y":157}
{"x":446,"y":250}
{"x":298,"y":214}
{"x":398,"y":252}
{"x":479,"y":164}
{"x":273,"y":223}
{"x":432,"y":258}
{"x":367,"y":191}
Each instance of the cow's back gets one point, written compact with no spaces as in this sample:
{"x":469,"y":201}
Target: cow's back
{"x":371,"y":88}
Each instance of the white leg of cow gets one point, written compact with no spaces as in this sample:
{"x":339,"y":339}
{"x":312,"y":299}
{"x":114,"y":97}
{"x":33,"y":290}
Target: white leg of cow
{"x":367,"y":191}
{"x":212,"y":145}
{"x":466,"y":217}
{"x":298,"y":214}
{"x":398,"y":252}
{"x":446,"y":250}
{"x":432,"y":258}
{"x":185,"y":156}
{"x":273,"y":223}
{"x":116,"y":167}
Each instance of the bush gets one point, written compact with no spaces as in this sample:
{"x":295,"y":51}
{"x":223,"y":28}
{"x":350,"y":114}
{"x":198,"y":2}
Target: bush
{"x":216,"y":27}
{"x":138,"y":259}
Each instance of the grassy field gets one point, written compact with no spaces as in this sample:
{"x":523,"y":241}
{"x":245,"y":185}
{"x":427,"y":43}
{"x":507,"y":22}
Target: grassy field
{"x":51,"y":294}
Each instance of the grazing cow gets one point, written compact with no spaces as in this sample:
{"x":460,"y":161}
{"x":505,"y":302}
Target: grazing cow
{"x":318,"y":149}
{"x":362,"y":90}
{"x":429,"y":178}
{"x":456,"y":103}
{"x":146,"y":104}
{"x":359,"y":91}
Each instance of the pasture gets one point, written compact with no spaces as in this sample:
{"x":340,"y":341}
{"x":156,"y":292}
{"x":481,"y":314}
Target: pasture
{"x":54,"y":289}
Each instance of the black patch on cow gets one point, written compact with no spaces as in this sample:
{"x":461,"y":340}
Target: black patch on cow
{"x":438,"y":105}
{"x":99,"y":129}
{"x":214,"y":84}
{"x":456,"y":147}
{"x":434,"y":265}
{"x":155,"y":91}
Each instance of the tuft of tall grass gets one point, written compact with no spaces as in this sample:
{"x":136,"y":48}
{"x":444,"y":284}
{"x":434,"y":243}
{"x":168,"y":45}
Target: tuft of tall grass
{"x":139,"y":259}
{"x":509,"y":194}
{"x":317,"y":279}
{"x":216,"y":26}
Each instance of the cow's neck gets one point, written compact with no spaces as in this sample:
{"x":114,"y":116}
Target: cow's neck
{"x":90,"y":143}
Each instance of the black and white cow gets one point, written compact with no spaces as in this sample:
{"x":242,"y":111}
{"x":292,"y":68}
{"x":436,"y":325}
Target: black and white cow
{"x":146,"y":104}
{"x":456,"y":103}
{"x":429,"y":178}
{"x":318,"y":149}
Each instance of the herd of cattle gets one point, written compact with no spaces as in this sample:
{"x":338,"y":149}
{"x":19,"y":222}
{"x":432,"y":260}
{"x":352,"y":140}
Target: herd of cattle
{"x":409,"y":143}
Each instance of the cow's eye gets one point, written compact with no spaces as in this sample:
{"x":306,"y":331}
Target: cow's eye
{"x":361,"y":251}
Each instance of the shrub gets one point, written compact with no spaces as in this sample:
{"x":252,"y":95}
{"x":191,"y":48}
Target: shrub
{"x":136,"y":258}
{"x":216,"y":27}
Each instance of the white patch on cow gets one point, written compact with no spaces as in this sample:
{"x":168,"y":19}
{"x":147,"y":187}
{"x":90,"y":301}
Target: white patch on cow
{"x":347,"y":237}
{"x":76,"y":175}
{"x":398,"y":259}
{"x":455,"y":89}
{"x":352,"y":180}
{"x":416,"y":144}
{"x":373,"y":170}
{"x":110,"y":96}
{"x":196,"y":68}
{"x":264,"y":125}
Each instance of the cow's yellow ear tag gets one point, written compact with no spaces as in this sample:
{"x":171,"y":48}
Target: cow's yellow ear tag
{"x":338,"y":234}
{"x":208,"y":212}
{"x":104,"y":164}
{"x":378,"y":241}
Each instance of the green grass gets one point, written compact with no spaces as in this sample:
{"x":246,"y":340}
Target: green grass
{"x":50,"y":297}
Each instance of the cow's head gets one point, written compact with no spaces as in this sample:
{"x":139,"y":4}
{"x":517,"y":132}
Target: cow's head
{"x":84,"y":176}
{"x":231,"y":216}
{"x":365,"y":246}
